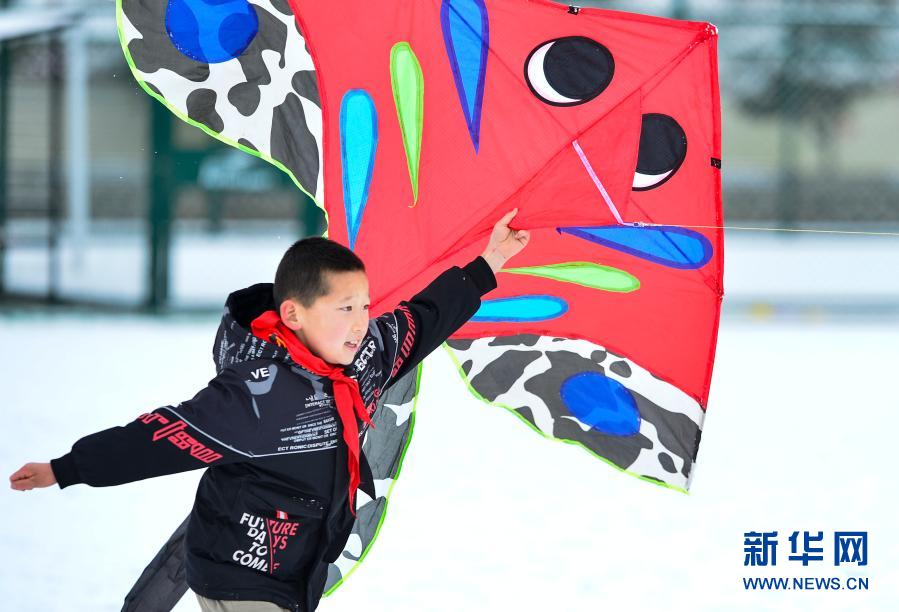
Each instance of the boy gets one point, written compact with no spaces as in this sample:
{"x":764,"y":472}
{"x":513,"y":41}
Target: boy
{"x":299,"y":365}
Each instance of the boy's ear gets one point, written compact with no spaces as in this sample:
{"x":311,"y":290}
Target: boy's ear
{"x":291,"y":313}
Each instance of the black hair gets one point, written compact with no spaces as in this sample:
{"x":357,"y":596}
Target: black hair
{"x":301,"y":273}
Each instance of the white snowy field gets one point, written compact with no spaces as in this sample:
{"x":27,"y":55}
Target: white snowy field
{"x":800,"y":436}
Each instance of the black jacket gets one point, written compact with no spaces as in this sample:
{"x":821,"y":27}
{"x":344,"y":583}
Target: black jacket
{"x":271,"y":511}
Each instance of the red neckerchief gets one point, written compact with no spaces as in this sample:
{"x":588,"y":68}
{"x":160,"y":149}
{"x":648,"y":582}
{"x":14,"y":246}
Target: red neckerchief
{"x":268,"y":326}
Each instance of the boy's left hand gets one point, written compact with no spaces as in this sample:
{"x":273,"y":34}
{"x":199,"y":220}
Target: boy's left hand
{"x":505,"y":242}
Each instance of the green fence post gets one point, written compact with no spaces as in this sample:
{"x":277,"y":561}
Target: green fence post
{"x":215,"y":205}
{"x":161,"y":194}
{"x":788,"y":186}
{"x":310,"y":216}
{"x":54,"y":167}
{"x":4,"y":135}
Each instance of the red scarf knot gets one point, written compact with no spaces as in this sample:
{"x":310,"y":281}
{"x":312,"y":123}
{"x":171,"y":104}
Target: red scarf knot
{"x":269,"y":327}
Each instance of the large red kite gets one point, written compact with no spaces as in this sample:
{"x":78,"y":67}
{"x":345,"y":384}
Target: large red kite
{"x":415,"y":124}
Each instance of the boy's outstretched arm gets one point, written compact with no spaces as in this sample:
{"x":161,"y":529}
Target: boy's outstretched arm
{"x":168,"y":440}
{"x":426,"y":321}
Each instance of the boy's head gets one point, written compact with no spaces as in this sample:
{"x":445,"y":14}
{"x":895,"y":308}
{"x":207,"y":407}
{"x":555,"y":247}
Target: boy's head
{"x":321,"y":292}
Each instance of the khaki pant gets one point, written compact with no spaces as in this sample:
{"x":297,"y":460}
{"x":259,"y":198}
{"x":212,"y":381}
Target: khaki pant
{"x":219,"y":605}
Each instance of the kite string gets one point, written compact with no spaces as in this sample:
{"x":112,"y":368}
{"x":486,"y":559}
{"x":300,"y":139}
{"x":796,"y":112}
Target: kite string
{"x":764,"y":229}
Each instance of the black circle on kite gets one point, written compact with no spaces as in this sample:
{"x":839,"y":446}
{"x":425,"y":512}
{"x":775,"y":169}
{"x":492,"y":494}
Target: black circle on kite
{"x":569,"y":71}
{"x":663,"y":148}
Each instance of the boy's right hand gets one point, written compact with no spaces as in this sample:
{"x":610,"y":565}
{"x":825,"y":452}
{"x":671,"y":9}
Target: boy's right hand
{"x":32,"y":476}
{"x":504,"y":242}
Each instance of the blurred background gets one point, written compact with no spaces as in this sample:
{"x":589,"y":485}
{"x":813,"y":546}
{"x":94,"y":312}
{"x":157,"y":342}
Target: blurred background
{"x":107,"y":199}
{"x":115,"y":218}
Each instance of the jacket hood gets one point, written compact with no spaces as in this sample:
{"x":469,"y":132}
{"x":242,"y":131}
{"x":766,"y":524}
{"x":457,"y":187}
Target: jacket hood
{"x":234,"y":342}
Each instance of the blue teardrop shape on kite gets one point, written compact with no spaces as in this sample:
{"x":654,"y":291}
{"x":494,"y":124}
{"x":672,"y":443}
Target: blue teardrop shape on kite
{"x":602,"y":403}
{"x":466,"y":34}
{"x":523,"y":308}
{"x":675,"y":247}
{"x":358,"y":143}
{"x":211,"y":31}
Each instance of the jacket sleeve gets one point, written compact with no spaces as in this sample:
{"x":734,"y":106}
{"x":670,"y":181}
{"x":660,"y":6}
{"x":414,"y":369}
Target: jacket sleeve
{"x":167,"y":440}
{"x":418,"y":326}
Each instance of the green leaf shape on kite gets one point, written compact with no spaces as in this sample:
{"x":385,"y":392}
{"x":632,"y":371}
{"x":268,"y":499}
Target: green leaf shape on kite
{"x":408,"y":95}
{"x":586,"y":274}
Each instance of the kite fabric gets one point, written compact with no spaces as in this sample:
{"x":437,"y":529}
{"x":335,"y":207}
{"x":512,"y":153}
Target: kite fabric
{"x":418,"y":123}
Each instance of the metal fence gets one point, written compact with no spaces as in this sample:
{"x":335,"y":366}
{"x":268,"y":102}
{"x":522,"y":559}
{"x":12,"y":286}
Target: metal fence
{"x":86,"y":157}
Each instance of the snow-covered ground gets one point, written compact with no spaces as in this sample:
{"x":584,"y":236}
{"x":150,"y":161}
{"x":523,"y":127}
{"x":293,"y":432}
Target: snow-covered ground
{"x":800,"y":436}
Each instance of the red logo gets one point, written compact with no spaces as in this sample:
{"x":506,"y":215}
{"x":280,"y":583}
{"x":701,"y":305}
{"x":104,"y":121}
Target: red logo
{"x":174,"y":433}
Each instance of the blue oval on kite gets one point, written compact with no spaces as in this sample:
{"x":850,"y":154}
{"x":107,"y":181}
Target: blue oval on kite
{"x":358,"y":143}
{"x":675,"y":247}
{"x":521,"y":309}
{"x":602,"y":403}
{"x":466,"y":35}
{"x":211,"y":31}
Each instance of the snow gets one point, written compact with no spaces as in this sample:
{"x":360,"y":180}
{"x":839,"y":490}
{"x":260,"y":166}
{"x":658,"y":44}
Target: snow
{"x":800,"y":436}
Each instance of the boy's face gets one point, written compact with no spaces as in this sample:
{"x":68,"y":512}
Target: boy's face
{"x":334,"y":324}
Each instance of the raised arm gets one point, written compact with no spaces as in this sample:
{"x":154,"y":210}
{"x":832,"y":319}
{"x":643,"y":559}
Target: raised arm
{"x":421,"y":324}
